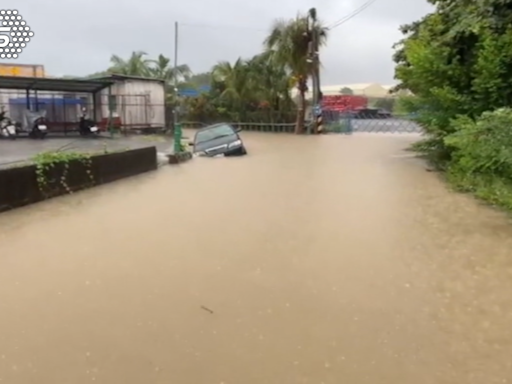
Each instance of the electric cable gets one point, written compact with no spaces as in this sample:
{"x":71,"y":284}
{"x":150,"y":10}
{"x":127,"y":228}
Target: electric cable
{"x":351,"y":15}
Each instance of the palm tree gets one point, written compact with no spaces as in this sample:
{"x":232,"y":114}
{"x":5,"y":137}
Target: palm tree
{"x":161,"y":69}
{"x":136,"y":65}
{"x":288,"y":44}
{"x":270,"y":82}
{"x":235,"y":85}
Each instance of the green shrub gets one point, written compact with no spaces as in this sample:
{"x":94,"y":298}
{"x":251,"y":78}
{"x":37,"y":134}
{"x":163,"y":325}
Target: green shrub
{"x":481,"y":156}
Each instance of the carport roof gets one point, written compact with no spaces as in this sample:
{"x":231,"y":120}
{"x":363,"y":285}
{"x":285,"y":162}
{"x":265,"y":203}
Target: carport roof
{"x":52,"y":84}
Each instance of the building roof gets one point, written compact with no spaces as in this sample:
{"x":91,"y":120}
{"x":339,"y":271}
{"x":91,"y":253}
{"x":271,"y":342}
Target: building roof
{"x":354,"y":87}
{"x":53,"y":84}
{"x":126,"y":77}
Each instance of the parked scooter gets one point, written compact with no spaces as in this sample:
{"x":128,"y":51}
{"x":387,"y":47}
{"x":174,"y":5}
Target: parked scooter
{"x":87,"y":126}
{"x":39,"y":128}
{"x":7,"y":126}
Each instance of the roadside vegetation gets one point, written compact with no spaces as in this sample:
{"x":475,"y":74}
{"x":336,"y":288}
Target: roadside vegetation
{"x":255,"y":89}
{"x":457,"y":61}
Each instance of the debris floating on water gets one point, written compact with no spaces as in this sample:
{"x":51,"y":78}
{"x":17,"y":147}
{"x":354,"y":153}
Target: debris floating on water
{"x":206,"y":309}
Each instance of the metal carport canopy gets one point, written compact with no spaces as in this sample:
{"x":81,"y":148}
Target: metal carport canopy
{"x":52,"y":84}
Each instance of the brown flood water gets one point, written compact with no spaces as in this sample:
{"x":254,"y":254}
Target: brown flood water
{"x":324,"y":260}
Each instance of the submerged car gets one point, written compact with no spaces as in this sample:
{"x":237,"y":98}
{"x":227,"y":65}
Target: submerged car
{"x":219,"y":139}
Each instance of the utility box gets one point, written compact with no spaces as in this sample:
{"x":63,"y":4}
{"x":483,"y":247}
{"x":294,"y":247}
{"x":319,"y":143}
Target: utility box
{"x":22,"y":70}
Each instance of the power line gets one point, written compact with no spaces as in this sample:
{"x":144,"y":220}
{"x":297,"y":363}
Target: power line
{"x":352,"y":15}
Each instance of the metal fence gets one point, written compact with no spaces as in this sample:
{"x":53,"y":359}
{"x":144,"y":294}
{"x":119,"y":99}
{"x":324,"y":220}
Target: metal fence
{"x":343,"y":125}
{"x":392,"y":123}
{"x":123,"y":112}
{"x":254,"y":127}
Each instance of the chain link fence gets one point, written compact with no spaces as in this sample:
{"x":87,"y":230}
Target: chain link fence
{"x":376,"y":122}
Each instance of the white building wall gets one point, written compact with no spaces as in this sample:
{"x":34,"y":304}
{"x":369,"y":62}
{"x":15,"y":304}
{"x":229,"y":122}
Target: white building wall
{"x":140,"y":103}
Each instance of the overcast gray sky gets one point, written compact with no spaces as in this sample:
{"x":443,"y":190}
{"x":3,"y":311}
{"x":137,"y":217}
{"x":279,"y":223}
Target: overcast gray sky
{"x":77,"y":37}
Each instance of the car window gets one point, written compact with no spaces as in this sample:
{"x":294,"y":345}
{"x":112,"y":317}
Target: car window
{"x":214,"y":132}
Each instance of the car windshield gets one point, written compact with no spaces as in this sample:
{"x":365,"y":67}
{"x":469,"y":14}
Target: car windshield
{"x":214,"y":133}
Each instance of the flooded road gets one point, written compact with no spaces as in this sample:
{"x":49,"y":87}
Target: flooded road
{"x":331,"y":259}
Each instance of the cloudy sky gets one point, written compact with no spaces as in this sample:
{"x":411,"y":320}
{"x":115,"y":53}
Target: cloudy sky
{"x":77,"y":37}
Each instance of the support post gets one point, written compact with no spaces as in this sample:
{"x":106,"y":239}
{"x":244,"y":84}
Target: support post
{"x":27,"y":98}
{"x":313,"y":76}
{"x":309,"y":33}
{"x":94,"y":106}
{"x":36,"y":101}
{"x":178,"y":134}
{"x":176,"y":103}
{"x":110,"y":107}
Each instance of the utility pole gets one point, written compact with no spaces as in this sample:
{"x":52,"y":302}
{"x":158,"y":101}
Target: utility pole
{"x":315,"y":76}
{"x":307,"y":39}
{"x":176,"y":71}
{"x":314,"y":58}
{"x":319,"y":120}
{"x":177,"y":127}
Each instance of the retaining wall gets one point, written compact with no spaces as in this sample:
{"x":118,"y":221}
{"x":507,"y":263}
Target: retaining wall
{"x":23,"y":185}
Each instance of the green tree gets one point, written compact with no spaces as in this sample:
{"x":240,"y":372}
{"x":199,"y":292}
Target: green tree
{"x":198,"y":80}
{"x":256,"y":85}
{"x":236,"y":85}
{"x":456,"y":61}
{"x":271,"y":84}
{"x":346,"y":91}
{"x":386,"y":103}
{"x":288,"y":44}
{"x":161,"y":68}
{"x":136,"y":65}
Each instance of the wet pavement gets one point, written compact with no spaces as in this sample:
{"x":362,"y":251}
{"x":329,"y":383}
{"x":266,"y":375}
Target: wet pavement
{"x":333,"y":259}
{"x":23,"y":149}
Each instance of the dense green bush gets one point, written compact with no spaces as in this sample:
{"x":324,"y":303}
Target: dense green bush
{"x":481,"y":160}
{"x":457,"y":61}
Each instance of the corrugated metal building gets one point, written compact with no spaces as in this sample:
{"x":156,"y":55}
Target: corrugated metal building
{"x":138,"y":102}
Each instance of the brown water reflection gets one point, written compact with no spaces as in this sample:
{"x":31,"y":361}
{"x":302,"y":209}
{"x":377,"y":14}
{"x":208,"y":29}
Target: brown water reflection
{"x":324,"y":260}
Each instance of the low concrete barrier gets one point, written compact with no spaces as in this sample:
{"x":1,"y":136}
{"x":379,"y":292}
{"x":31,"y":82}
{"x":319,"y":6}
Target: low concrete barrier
{"x":181,"y":157}
{"x":33,"y":183}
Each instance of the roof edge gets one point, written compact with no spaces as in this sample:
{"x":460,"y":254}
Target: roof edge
{"x":127,"y":77}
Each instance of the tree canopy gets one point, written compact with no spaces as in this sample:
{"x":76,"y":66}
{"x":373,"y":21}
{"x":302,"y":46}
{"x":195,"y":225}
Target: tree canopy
{"x":457,"y":61}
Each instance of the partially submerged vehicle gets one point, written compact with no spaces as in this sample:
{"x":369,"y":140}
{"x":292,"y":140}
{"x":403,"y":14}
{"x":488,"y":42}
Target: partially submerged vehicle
{"x":217,"y":140}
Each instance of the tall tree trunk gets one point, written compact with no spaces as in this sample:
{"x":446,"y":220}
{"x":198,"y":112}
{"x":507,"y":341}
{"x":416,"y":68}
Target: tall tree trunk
{"x":301,"y":112}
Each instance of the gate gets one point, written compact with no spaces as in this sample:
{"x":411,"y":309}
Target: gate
{"x":360,"y":122}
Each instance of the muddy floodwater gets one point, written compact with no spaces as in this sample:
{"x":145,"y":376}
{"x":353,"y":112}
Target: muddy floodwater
{"x":327,"y":260}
